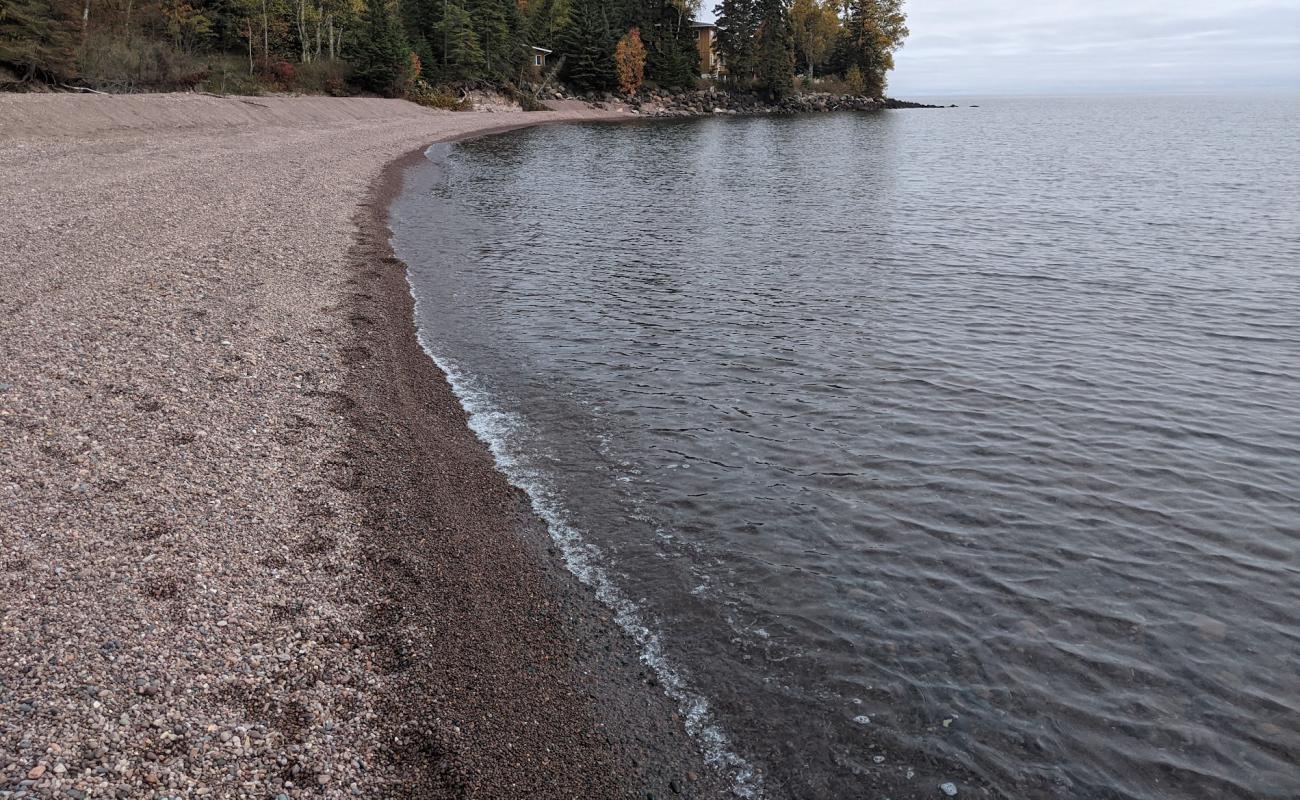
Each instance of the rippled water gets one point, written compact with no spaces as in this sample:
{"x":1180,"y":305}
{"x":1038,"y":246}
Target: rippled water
{"x":917,"y":447}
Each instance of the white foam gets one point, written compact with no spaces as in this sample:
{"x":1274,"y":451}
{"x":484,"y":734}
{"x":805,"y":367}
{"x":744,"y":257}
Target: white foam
{"x":498,"y":429}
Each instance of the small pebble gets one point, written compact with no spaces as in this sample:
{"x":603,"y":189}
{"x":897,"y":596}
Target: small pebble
{"x":949,"y":789}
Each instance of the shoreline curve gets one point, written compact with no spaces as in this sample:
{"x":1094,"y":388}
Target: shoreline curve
{"x":250,"y":542}
{"x":582,"y":559}
{"x":644,"y":732}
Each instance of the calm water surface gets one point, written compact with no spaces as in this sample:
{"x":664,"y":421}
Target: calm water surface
{"x":916,"y":447}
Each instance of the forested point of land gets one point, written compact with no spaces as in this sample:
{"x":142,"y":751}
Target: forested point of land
{"x":426,"y":49}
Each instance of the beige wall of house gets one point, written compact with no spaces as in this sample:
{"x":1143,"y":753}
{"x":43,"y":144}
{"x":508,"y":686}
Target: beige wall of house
{"x":705,"y":44}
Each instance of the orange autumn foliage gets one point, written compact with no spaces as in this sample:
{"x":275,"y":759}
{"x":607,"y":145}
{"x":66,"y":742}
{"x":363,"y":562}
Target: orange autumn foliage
{"x":629,"y":62}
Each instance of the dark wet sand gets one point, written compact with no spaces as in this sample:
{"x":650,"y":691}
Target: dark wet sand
{"x":519,"y":677}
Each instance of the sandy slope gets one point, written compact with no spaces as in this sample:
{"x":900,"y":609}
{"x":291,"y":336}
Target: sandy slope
{"x":195,"y":597}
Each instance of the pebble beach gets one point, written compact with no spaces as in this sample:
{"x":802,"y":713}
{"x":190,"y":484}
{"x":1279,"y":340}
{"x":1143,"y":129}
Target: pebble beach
{"x":247,"y":544}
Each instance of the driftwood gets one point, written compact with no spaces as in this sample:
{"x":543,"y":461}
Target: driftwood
{"x":81,"y":89}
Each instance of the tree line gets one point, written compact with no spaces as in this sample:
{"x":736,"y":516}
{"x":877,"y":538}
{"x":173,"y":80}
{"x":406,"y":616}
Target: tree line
{"x":404,"y":47}
{"x":766,"y":42}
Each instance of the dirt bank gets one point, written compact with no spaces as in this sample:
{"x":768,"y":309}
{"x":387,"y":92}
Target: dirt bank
{"x":249,"y":547}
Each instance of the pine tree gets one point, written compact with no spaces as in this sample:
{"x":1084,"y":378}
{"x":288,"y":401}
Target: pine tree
{"x":381,"y":56}
{"x":543,"y":21}
{"x":497,"y":25}
{"x":462,"y":58}
{"x":38,"y":38}
{"x":671,"y":58}
{"x":775,"y":55}
{"x":588,"y":46}
{"x":737,"y":30}
{"x":420,"y":19}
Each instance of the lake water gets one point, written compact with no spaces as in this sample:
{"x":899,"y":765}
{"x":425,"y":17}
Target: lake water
{"x":917,"y":447}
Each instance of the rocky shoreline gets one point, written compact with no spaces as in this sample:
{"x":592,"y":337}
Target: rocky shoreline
{"x":710,"y":101}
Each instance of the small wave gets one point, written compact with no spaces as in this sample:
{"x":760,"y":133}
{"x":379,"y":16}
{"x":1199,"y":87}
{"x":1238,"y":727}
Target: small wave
{"x":496,"y":428}
{"x":1243,"y":337}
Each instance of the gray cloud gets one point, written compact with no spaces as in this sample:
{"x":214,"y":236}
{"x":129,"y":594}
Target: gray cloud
{"x":1011,"y":46}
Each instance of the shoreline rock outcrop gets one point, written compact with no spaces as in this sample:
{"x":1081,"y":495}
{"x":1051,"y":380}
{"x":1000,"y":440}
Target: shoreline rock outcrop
{"x":704,"y":102}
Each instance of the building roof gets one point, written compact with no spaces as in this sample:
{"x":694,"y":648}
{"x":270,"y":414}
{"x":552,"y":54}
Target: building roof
{"x":704,"y":25}
{"x":542,"y":49}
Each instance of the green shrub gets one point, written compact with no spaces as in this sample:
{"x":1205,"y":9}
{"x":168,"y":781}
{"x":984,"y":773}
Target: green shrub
{"x":229,"y":74}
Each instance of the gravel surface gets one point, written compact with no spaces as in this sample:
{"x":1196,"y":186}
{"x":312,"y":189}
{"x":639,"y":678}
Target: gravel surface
{"x":219,"y":579}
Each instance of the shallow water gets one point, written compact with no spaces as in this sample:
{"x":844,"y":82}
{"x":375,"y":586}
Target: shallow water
{"x":916,"y":447}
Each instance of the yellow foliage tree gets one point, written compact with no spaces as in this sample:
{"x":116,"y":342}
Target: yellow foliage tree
{"x":629,"y":62}
{"x":815,"y":24}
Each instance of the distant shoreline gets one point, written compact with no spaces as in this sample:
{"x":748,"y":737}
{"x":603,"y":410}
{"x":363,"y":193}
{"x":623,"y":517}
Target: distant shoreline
{"x":711,"y":101}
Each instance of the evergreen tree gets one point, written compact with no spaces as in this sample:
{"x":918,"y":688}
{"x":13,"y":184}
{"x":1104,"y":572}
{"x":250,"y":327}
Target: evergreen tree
{"x":38,"y":38}
{"x":544,"y":20}
{"x":588,"y":45}
{"x":497,"y":25}
{"x":420,"y":19}
{"x":381,"y":57}
{"x":462,"y":58}
{"x":671,"y":58}
{"x":737,"y":30}
{"x":775,"y":50}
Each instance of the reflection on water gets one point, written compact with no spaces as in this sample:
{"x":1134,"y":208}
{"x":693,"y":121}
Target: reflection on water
{"x":937,"y":446}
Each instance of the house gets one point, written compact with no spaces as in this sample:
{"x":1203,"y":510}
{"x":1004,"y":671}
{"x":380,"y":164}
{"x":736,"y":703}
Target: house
{"x":539,"y":56}
{"x":706,"y":42}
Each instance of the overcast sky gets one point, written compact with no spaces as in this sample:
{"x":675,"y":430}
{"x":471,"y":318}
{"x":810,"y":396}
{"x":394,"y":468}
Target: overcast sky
{"x":1045,"y":46}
